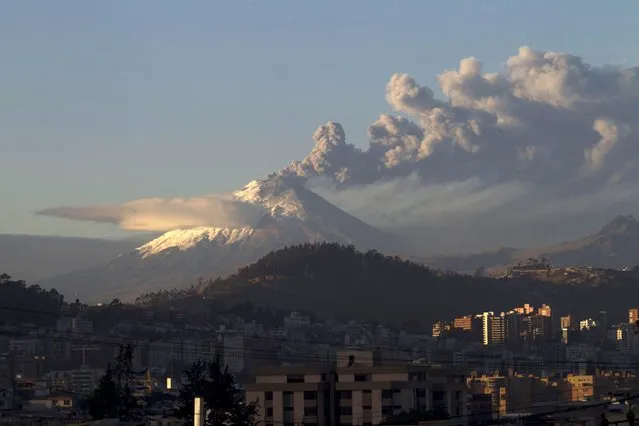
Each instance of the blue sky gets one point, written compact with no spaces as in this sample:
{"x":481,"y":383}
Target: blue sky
{"x":104,"y":102}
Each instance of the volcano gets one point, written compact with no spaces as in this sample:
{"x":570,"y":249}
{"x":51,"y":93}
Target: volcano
{"x":291,"y":214}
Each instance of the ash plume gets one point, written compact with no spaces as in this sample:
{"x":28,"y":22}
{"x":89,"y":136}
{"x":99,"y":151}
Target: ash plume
{"x":542,"y":118}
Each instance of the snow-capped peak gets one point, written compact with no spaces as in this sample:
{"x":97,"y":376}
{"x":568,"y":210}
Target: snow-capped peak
{"x":184,"y":239}
{"x":275,"y":196}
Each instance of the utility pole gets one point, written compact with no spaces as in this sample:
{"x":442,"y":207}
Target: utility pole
{"x":198,"y":411}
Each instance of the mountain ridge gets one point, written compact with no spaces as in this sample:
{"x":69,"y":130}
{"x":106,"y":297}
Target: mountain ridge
{"x":613,"y":245}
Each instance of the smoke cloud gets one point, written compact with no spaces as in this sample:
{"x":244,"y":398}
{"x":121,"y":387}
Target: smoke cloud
{"x":547,"y":141}
{"x":159,"y":214}
{"x":544,"y":119}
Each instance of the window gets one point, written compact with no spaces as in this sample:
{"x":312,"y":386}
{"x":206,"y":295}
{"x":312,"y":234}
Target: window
{"x":420,"y":393}
{"x":295,"y":378}
{"x":268,"y":396}
{"x":310,"y":395}
{"x":269,"y":412}
{"x":387,"y":393}
{"x":345,"y":395}
{"x":310,"y":411}
{"x":367,"y":407}
{"x":361,"y":377}
{"x":366,"y":392}
{"x":287,"y":398}
{"x":420,"y":377}
{"x":387,"y":410}
{"x":346,"y":411}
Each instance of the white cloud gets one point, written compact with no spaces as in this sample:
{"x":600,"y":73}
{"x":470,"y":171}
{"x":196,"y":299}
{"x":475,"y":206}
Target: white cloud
{"x":160,"y":214}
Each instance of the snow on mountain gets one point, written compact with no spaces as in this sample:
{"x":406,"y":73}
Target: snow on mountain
{"x":292,"y":214}
{"x":185,"y":239}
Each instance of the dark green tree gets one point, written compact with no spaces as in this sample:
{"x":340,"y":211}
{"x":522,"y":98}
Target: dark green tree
{"x":104,"y":402}
{"x":223,"y":401}
{"x":113,"y":397}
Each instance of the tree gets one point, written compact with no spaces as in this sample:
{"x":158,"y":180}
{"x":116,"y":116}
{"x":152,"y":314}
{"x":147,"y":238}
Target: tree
{"x":223,"y":401}
{"x":113,"y":398}
{"x":103,"y":403}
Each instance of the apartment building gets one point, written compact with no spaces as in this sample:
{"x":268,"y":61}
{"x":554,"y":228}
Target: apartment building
{"x":357,"y":390}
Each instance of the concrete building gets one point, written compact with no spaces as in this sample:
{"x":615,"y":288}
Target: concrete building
{"x":440,"y":327}
{"x":233,"y":351}
{"x":85,"y":380}
{"x":160,"y":354}
{"x":75,"y":325}
{"x":296,"y":320}
{"x":500,"y":329}
{"x":566,"y":322}
{"x":355,"y":391}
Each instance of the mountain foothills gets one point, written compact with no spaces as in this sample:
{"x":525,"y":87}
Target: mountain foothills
{"x":291,"y":214}
{"x":615,"y":245}
{"x":335,"y":280}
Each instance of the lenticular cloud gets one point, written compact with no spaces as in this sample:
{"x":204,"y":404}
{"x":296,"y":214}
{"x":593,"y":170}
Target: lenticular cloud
{"x":165,"y":214}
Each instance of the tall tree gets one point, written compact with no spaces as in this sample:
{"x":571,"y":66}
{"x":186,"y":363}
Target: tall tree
{"x":104,"y":402}
{"x":113,"y":398}
{"x":223,"y":401}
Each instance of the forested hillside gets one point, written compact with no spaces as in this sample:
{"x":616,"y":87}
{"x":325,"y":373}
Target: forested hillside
{"x":336,"y":280}
{"x":22,"y":303}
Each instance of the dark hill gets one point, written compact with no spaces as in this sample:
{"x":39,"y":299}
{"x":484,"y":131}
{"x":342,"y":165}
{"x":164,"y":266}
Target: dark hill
{"x":335,"y":280}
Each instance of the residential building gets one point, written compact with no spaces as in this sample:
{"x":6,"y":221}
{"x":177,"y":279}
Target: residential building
{"x":464,"y":323}
{"x":354,"y":391}
{"x":440,"y":327}
{"x":577,"y":388}
{"x":525,"y":310}
{"x":544,"y":311}
{"x":587,"y":324}
{"x":233,"y":351}
{"x":85,"y":380}
{"x":75,"y":325}
{"x":160,"y":354}
{"x":500,"y":329}
{"x":296,"y":320}
{"x":566,"y":322}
